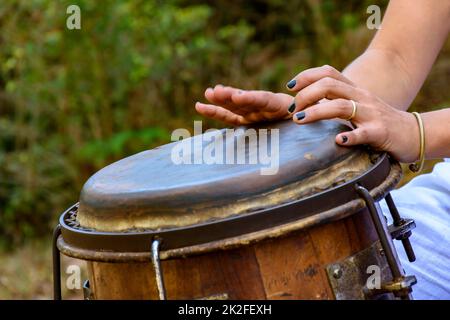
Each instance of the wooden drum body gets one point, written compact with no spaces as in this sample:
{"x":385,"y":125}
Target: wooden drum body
{"x":152,"y":229}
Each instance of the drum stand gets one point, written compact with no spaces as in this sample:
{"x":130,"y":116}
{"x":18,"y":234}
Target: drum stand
{"x":400,"y":286}
{"x":56,"y":264}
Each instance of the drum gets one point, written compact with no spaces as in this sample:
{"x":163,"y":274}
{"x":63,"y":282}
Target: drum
{"x":151,"y":228}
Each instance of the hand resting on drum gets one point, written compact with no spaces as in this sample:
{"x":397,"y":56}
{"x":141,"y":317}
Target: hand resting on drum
{"x":236,"y":106}
{"x":321,"y":93}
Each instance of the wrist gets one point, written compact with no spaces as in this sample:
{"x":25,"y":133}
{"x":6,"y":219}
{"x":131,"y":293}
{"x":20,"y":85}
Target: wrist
{"x":408,"y":141}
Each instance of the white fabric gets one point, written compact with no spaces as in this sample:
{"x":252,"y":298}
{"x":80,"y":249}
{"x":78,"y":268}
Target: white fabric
{"x":426,"y":199}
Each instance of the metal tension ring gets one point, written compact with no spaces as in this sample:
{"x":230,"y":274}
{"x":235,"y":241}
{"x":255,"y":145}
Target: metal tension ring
{"x":86,"y":287}
{"x":401,"y":285}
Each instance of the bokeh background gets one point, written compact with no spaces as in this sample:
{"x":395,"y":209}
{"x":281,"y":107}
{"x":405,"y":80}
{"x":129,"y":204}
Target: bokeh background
{"x":73,"y":101}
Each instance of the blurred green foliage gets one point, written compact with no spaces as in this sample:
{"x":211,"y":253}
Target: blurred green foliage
{"x":72,"y":101}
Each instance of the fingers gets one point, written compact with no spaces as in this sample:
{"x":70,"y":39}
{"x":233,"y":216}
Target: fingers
{"x":236,"y":100}
{"x":326,"y":88}
{"x":256,"y":104}
{"x":309,"y":76}
{"x":338,"y":108}
{"x":219,"y":113}
{"x":221,"y":96}
{"x":353,"y":138}
{"x":257,"y":100}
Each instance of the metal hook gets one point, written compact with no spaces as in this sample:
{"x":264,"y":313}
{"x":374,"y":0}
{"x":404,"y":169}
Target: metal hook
{"x":157,"y":266}
{"x":381,"y":229}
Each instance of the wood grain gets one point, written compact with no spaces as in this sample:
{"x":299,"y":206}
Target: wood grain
{"x":291,"y":267}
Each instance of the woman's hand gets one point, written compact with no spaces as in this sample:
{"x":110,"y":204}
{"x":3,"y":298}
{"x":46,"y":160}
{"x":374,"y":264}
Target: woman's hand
{"x":237,"y":107}
{"x":322,"y":93}
{"x":377,"y":124}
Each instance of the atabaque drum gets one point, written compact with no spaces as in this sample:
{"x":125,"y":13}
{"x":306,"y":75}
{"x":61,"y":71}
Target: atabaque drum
{"x":173,"y":223}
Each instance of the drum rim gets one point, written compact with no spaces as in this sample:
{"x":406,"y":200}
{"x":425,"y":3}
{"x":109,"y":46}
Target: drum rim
{"x":135,"y":246}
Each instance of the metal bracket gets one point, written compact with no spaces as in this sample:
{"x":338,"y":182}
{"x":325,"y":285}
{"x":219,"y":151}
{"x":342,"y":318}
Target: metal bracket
{"x":401,"y":228}
{"x":157,"y":268}
{"x":348,"y":278}
{"x":399,"y":279}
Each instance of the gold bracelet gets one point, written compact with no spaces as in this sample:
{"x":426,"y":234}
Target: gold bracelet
{"x":418,"y":166}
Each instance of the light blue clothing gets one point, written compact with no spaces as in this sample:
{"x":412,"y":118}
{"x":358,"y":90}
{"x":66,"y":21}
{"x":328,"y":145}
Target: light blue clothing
{"x":426,"y":199}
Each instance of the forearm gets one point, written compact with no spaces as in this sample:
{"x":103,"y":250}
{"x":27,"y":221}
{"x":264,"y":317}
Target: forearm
{"x":437,"y":133}
{"x":436,"y":123}
{"x":383,"y":73}
{"x":403,"y":51}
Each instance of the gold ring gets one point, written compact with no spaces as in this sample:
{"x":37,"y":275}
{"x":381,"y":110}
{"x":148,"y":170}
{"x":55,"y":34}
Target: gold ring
{"x":353,"y":111}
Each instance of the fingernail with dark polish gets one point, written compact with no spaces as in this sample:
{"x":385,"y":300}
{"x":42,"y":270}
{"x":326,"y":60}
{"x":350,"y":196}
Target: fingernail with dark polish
{"x":300,"y":115}
{"x":292,"y":108}
{"x":344,"y":139}
{"x":291,"y":83}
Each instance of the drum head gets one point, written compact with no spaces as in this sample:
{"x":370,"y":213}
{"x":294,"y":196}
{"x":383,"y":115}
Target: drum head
{"x":149,"y":191}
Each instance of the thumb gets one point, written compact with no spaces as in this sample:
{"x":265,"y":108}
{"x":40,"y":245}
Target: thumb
{"x":352,"y":138}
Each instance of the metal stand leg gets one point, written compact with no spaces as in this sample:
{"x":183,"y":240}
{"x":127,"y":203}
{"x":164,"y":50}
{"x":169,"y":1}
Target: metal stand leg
{"x":383,"y":234}
{"x":56,"y":265}
{"x":158,"y":271}
{"x":401,"y":284}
